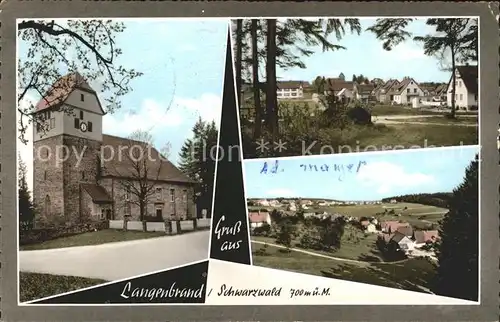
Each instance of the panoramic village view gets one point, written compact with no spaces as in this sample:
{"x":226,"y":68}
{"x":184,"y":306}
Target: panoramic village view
{"x":113,"y":169}
{"x":351,"y":85}
{"x":406,"y":219}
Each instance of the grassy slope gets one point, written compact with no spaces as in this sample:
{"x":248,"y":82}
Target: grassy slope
{"x":35,"y":286}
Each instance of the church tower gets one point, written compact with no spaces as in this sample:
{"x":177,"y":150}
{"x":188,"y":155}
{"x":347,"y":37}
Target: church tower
{"x":67,"y":138}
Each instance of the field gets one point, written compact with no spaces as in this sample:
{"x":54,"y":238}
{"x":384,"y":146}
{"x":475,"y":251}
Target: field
{"x":412,"y":274}
{"x":35,"y":286}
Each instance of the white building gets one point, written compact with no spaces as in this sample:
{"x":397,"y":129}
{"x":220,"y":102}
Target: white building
{"x":291,"y":89}
{"x":466,"y":88}
{"x":405,"y":91}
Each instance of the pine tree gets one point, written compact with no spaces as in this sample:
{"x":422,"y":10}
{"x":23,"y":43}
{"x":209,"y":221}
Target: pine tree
{"x":457,"y":252}
{"x":26,"y":208}
{"x":341,"y":76}
{"x":197,"y":161}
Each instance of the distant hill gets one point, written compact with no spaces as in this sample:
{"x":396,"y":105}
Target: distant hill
{"x":439,"y":199}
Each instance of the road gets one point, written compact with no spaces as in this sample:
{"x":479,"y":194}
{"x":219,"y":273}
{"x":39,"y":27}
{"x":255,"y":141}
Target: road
{"x":115,"y":261}
{"x":406,"y":119}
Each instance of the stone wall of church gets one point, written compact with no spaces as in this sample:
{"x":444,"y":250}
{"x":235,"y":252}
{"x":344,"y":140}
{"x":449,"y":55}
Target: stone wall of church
{"x":80,"y":167}
{"x":182,"y":206}
{"x":48,"y":192}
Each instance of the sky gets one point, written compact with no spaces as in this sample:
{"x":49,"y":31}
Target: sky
{"x":183,"y":64}
{"x":364,"y":55}
{"x":380,"y":175}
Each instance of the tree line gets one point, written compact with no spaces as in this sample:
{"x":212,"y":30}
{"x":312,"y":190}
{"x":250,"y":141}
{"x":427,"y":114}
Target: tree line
{"x":439,"y":199}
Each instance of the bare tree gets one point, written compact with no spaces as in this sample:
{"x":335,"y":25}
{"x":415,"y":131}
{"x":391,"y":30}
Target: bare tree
{"x":139,"y":169}
{"x":57,"y":48}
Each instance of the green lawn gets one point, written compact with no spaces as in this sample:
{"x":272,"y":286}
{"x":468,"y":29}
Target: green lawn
{"x":412,"y":274}
{"x":355,"y":245}
{"x":93,"y":238}
{"x":34,"y":286}
{"x":407,"y":136}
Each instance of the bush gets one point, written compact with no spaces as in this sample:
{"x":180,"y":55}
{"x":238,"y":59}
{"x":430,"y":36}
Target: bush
{"x":263,"y":230}
{"x":35,"y":236}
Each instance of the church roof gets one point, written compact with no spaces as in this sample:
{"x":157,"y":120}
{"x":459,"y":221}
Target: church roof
{"x":97,"y":193}
{"x":61,"y":89}
{"x":123,"y":165}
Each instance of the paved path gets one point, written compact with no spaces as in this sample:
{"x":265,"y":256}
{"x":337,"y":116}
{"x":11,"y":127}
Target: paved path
{"x":114,"y":261}
{"x":406,"y":119}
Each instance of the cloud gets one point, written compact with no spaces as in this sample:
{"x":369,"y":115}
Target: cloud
{"x":388,"y":178}
{"x":280,"y":192}
{"x":153,"y":115}
{"x":405,"y":52}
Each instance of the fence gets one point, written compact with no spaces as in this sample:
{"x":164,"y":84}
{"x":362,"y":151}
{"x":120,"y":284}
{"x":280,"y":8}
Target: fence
{"x":173,"y":227}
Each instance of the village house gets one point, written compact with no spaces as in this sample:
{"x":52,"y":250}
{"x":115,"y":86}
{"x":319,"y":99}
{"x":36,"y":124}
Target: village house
{"x":423,"y":237}
{"x":69,"y":191}
{"x":381,"y":91}
{"x":406,"y":92}
{"x":368,"y":226}
{"x":403,"y":242}
{"x":363,"y":92}
{"x":466,"y":88}
{"x":291,"y":89}
{"x":405,"y":230}
{"x":392,"y":226}
{"x":341,"y":89}
{"x":258,"y":219}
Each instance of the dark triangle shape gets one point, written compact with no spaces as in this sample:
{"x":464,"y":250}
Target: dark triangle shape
{"x":189,"y":277}
{"x":230,"y":241}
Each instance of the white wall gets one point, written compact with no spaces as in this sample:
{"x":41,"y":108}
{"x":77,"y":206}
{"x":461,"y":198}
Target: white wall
{"x":155,"y":226}
{"x":187,"y":225}
{"x":463,"y":97}
{"x":116,"y":224}
{"x":287,"y":93}
{"x":204,"y":222}
{"x":414,"y":90}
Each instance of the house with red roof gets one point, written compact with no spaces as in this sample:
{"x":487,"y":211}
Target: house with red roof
{"x":423,"y":237}
{"x":392,"y":226}
{"x":259,"y":218}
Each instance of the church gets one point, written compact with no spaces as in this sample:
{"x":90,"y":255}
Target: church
{"x":82,"y":175}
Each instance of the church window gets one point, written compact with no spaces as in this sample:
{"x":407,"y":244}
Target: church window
{"x":82,"y":98}
{"x":184,"y":195}
{"x":82,"y":175}
{"x":89,"y":126}
{"x":47,"y":204}
{"x":77,"y":123}
{"x":159,"y":193}
{"x":45,"y":175}
{"x":81,"y":115}
{"x":127,"y":194}
{"x":172,"y":195}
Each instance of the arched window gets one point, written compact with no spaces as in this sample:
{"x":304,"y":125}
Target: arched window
{"x":47,"y":205}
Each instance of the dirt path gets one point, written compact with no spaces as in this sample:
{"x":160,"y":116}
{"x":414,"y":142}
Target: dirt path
{"x":404,"y":119}
{"x":326,"y":256}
